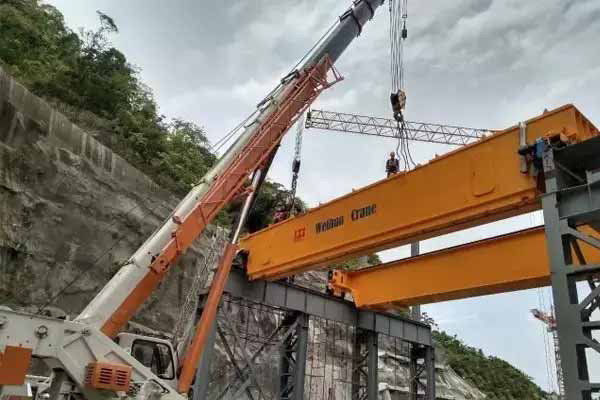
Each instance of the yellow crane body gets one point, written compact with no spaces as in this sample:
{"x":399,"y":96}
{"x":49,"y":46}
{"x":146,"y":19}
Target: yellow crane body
{"x":470,"y":186}
{"x":505,"y":263}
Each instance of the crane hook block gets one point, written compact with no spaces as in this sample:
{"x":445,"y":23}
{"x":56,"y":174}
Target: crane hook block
{"x":398,"y":101}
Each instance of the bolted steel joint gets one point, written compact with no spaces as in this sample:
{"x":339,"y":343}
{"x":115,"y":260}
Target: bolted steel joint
{"x":41,"y":331}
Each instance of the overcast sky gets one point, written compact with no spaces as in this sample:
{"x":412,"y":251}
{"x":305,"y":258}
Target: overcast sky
{"x":482,"y":63}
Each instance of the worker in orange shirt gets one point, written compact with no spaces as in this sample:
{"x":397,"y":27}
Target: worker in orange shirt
{"x":280,"y":215}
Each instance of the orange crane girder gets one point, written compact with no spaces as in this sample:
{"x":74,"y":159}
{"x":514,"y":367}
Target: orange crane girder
{"x":475,"y":184}
{"x":505,"y":263}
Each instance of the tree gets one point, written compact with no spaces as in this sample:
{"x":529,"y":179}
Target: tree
{"x":493,"y":376}
{"x":186,"y":157}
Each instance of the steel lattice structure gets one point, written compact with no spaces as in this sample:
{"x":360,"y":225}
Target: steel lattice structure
{"x":274,"y":340}
{"x":384,"y":127}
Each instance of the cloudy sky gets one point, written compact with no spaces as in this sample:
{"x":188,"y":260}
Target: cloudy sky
{"x":481,"y":63}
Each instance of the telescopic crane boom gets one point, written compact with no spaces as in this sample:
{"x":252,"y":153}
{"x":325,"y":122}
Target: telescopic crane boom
{"x":121,"y":297}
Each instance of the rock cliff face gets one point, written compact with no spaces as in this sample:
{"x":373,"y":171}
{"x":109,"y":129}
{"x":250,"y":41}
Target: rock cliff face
{"x":71,"y":211}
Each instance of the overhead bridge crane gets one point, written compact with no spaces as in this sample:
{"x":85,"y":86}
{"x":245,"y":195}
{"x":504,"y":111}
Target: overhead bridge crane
{"x":479,"y":183}
{"x":549,"y":162}
{"x":517,"y":270}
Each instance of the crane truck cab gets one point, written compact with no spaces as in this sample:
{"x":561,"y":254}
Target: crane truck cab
{"x":158,"y":355}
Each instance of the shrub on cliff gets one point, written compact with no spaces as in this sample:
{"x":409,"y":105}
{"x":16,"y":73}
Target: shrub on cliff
{"x":493,"y":376}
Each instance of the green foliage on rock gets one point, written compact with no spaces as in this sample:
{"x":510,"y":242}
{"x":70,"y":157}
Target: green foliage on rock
{"x":493,"y":376}
{"x":83,"y":73}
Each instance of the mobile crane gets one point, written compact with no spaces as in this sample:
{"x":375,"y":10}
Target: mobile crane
{"x":87,"y":361}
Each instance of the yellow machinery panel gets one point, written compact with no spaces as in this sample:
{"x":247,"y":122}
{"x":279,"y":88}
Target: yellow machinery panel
{"x":470,"y":186}
{"x":502,"y":264}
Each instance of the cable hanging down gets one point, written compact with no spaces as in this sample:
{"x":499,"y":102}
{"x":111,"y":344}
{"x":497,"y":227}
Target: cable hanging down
{"x":398,"y":34}
{"x":296,"y":164}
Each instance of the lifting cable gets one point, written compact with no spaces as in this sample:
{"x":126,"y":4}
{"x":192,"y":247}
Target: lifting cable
{"x":398,"y":34}
{"x":296,"y":163}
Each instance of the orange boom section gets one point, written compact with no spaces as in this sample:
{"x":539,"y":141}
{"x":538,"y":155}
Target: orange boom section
{"x":502,"y":264}
{"x":475,"y":184}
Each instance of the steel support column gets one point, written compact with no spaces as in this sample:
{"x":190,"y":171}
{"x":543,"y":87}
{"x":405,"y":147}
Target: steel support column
{"x":573,"y":199}
{"x":415,"y":310}
{"x":413,"y":375}
{"x":430,"y":370}
{"x":413,"y":365}
{"x":365,"y":380}
{"x":292,"y":362}
{"x":422,"y":373}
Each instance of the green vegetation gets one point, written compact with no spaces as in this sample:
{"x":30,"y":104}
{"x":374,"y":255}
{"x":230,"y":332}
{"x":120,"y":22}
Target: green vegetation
{"x":493,"y":376}
{"x":87,"y":77}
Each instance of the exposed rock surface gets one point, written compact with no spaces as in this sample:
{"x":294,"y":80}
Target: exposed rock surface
{"x":71,"y":211}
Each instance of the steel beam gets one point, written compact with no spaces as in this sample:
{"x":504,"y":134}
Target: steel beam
{"x":295,"y":298}
{"x":490,"y":266}
{"x":276,"y":342}
{"x":302,"y":302}
{"x":238,"y":371}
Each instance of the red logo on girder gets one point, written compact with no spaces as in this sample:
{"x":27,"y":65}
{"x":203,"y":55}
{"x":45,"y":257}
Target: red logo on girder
{"x":299,"y":234}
